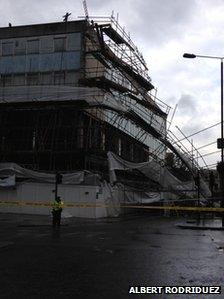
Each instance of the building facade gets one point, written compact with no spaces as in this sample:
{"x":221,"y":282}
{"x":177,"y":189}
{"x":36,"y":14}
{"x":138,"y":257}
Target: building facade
{"x":72,"y":91}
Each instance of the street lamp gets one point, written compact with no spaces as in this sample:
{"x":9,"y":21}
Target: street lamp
{"x":220,"y":141}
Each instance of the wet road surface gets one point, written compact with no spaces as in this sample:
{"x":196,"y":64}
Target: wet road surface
{"x":102,"y":259}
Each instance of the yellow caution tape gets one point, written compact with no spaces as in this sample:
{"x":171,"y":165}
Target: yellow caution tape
{"x":92,"y":205}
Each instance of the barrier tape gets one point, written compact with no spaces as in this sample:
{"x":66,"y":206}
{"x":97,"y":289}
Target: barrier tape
{"x":89,"y":205}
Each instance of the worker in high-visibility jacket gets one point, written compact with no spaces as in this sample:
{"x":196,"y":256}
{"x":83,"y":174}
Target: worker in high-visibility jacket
{"x":56,"y":211}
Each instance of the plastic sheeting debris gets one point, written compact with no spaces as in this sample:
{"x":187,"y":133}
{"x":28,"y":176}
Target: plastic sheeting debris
{"x":79,"y":177}
{"x":8,"y":182}
{"x":154,"y":171}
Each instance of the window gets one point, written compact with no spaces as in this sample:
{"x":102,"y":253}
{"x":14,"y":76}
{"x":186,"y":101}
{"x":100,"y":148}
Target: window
{"x":103,"y":136}
{"x":59,"y":78}
{"x":6,"y":80}
{"x":46,"y":44}
{"x":119,"y":146}
{"x":60,"y":44}
{"x":19,"y":79}
{"x":32,"y":79}
{"x":7,"y":49}
{"x":33,"y":46}
{"x":71,"y":78}
{"x":34,"y":140}
{"x":80,"y":137}
{"x":46,"y":78}
{"x":132,"y":151}
{"x":20,"y":47}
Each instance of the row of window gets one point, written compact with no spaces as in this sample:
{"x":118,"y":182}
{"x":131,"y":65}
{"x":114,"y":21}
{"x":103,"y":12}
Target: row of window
{"x":29,"y":139}
{"x":52,"y":78}
{"x":34,"y":46}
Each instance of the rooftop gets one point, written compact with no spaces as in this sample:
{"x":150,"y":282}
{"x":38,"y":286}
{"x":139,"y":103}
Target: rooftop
{"x":42,"y":29}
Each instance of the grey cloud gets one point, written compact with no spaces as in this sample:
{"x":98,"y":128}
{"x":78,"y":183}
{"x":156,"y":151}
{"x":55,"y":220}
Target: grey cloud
{"x":195,"y":125}
{"x":194,"y":118}
{"x":192,"y":127}
{"x":187,"y":104}
{"x":187,"y":107}
{"x":154,"y":20}
{"x":160,"y":20}
{"x":31,"y":11}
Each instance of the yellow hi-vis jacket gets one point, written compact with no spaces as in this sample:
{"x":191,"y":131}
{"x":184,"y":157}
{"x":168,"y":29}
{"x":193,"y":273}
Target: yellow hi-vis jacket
{"x":57,"y":206}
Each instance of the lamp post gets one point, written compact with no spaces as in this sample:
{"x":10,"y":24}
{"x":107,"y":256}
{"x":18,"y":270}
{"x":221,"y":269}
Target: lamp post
{"x":220,"y":141}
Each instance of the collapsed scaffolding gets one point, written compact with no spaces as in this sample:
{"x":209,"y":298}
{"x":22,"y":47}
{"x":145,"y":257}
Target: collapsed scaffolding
{"x":126,"y":62}
{"x":115,"y":89}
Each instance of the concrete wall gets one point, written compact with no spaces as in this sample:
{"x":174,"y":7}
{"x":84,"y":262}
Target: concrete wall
{"x":42,"y":29}
{"x":42,"y":193}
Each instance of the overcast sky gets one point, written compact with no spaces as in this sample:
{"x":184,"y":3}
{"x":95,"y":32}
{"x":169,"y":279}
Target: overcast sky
{"x":163,"y":30}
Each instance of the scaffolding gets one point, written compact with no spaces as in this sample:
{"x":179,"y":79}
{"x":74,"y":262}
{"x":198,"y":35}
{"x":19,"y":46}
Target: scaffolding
{"x":111,"y":107}
{"x":114,"y":64}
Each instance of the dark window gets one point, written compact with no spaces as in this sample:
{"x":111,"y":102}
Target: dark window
{"x":59,"y":44}
{"x":59,"y":78}
{"x":119,"y":147}
{"x":19,"y":79}
{"x":46,"y":78}
{"x":32,"y":79}
{"x":20,"y":47}
{"x":7,"y":49}
{"x":33,"y":46}
{"x":6,"y":80}
{"x":80,"y":137}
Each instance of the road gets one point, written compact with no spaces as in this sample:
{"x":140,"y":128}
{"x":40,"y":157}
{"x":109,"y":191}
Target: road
{"x":99,"y":259}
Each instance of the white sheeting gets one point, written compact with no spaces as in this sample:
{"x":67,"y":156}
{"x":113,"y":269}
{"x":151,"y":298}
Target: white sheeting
{"x":7,"y":169}
{"x":154,"y":171}
{"x":47,"y":93}
{"x":151,"y":169}
{"x":204,"y":188}
{"x":8,"y":182}
{"x":112,"y":199}
{"x":141,"y":197}
{"x":118,"y":195}
{"x":40,"y":93}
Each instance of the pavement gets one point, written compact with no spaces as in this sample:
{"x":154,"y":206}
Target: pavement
{"x":99,"y":259}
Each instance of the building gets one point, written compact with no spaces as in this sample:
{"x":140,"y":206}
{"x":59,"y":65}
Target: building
{"x":75,"y":98}
{"x":72,"y":91}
